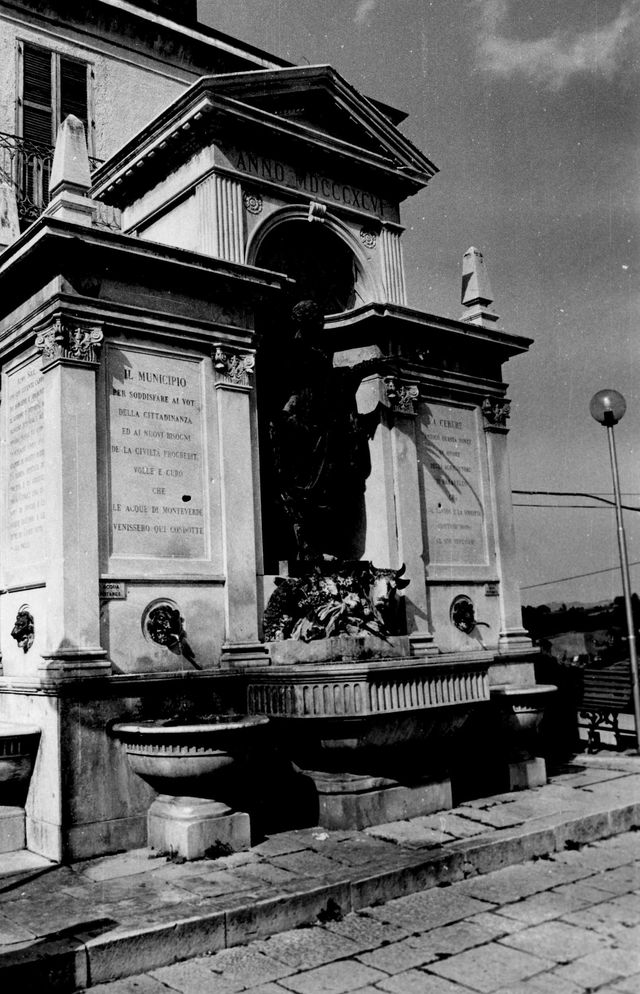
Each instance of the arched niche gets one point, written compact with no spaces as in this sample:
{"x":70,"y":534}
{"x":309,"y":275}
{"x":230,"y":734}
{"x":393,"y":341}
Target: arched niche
{"x":322,"y":255}
{"x":328,"y":269}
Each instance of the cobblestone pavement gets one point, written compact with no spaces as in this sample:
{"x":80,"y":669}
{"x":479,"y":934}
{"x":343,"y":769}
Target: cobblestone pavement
{"x":565,"y":924}
{"x":64,"y":928}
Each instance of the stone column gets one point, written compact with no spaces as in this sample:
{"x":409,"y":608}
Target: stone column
{"x":513,"y":637}
{"x":221,"y":211}
{"x":69,"y":350}
{"x":402,"y":398}
{"x":234,"y":372}
{"x":392,"y":265}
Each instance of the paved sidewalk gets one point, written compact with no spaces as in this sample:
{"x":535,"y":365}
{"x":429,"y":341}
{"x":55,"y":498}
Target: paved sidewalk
{"x":69,"y":927}
{"x":562,"y":925}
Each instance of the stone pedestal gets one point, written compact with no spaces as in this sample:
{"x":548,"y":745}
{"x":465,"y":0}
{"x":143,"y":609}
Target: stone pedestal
{"x":192,"y":826}
{"x":352,"y":801}
{"x":526,"y":773}
{"x":520,"y":712}
{"x":12,"y":830}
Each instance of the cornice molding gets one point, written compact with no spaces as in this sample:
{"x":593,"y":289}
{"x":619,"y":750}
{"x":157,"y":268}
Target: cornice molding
{"x":214,"y":104}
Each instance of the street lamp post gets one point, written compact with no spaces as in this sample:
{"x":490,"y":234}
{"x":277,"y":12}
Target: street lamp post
{"x":608,"y":407}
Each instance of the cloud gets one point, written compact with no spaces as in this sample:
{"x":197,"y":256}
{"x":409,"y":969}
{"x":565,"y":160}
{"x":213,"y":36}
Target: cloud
{"x":364,"y":10}
{"x":554,"y":59}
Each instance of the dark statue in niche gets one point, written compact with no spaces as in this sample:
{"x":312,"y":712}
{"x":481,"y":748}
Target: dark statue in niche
{"x":23,"y":630}
{"x":320,"y":444}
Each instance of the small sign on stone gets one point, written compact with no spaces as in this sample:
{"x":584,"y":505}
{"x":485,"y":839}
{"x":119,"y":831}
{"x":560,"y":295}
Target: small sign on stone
{"x":113,"y":590}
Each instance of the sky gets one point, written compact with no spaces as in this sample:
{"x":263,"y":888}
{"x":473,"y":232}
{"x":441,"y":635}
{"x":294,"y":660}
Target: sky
{"x":531,"y":111}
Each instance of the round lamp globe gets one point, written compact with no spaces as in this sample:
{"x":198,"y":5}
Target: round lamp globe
{"x":607,"y":407}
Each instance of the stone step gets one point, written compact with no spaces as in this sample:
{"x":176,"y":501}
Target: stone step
{"x":20,"y":865}
{"x":82,"y":951}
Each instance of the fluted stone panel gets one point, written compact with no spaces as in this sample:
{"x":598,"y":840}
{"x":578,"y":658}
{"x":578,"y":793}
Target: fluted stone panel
{"x":300,"y":694}
{"x":392,"y":267}
{"x":221,"y":210}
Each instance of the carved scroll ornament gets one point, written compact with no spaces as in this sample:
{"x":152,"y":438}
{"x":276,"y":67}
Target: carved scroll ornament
{"x":401,"y":397}
{"x":235,"y":368}
{"x":496,"y":412}
{"x":66,"y":340}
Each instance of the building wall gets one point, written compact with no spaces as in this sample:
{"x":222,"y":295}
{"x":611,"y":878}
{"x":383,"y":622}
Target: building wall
{"x":128,"y":89}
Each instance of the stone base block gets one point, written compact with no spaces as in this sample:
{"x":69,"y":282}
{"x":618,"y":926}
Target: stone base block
{"x":12,"y":832}
{"x":349,"y":801}
{"x":192,"y":826}
{"x":527,"y":773}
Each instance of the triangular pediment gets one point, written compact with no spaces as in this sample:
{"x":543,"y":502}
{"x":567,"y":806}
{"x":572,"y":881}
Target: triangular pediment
{"x":308,"y":110}
{"x":319,"y":99}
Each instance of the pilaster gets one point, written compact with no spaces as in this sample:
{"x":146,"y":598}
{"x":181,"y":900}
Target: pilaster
{"x":69,"y":349}
{"x":402,"y":399}
{"x":513,"y":637}
{"x":221,"y":212}
{"x":392,"y":266}
{"x":234,"y":376}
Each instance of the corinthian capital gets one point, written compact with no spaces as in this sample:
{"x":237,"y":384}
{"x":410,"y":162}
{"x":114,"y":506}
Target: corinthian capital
{"x":68,"y":339}
{"x":232,"y":367}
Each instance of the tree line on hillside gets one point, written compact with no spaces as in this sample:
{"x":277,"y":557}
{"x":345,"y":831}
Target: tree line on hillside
{"x":544,"y":622}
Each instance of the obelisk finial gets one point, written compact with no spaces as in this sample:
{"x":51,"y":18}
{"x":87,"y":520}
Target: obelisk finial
{"x":70,"y":175}
{"x":477,"y":295}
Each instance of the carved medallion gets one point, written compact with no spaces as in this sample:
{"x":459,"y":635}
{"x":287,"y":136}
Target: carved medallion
{"x":163,"y":624}
{"x":23,"y":630}
{"x":368,"y":237}
{"x":253,"y":202}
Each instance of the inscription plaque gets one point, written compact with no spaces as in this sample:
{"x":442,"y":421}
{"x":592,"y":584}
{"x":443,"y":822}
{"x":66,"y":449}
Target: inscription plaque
{"x":25,"y":499}
{"x":156,"y":453}
{"x":449,"y":454}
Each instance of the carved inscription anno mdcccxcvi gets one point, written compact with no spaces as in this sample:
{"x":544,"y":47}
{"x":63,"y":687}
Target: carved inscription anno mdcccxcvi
{"x":25,"y":501}
{"x":157,"y":455}
{"x":449,"y":452}
{"x":308,"y":182}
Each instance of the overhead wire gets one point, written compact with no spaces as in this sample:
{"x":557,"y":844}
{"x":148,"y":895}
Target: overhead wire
{"x":573,"y":493}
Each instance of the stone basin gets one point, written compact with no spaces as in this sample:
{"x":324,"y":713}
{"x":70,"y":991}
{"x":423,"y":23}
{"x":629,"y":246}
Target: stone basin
{"x":373,"y":736}
{"x":18,"y":748}
{"x":188,"y":758}
{"x":368,"y":716}
{"x":521,"y":711}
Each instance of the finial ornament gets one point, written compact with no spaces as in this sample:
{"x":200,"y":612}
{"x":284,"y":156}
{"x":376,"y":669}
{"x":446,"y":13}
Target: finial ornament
{"x":477,"y":295}
{"x":70,"y":170}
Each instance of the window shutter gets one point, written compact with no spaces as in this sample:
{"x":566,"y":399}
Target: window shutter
{"x":37,"y":110}
{"x":73,"y":90}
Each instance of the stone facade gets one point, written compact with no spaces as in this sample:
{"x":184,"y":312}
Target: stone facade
{"x":137,"y":372}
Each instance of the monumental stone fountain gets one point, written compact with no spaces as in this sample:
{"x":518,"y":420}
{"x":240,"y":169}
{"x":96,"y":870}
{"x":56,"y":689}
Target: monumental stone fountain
{"x":242,"y":478}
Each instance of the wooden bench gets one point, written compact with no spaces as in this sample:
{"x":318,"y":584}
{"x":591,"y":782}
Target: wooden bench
{"x":606,"y":694}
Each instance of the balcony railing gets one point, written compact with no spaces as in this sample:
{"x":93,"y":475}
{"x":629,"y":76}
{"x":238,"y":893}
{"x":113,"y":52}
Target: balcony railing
{"x":26,"y":166}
